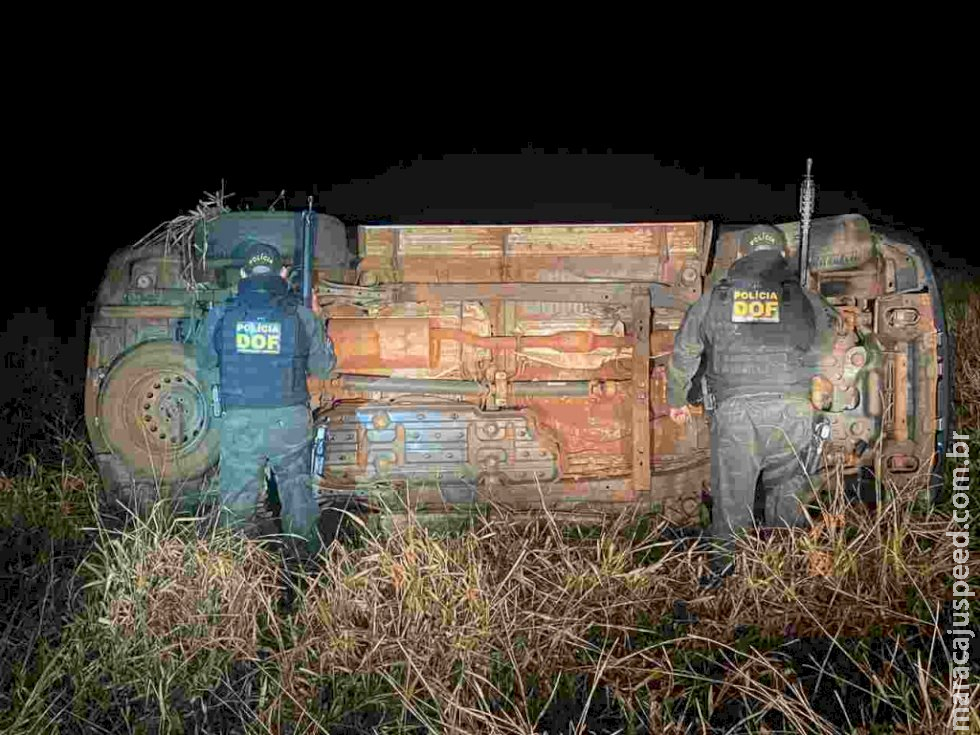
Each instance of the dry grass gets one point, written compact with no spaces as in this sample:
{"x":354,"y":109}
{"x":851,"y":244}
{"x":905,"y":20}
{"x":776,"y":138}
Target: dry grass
{"x":178,"y":236}
{"x":514,"y":626}
{"x":965,"y":325}
{"x":486,"y":632}
{"x":192,"y":596}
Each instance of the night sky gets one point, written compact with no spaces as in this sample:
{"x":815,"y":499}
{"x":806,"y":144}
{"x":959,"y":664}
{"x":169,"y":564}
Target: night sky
{"x":90,"y":197}
{"x":105,"y":198}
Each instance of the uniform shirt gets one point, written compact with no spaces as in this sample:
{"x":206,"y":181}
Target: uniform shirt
{"x":690,"y":344}
{"x":321,"y":360}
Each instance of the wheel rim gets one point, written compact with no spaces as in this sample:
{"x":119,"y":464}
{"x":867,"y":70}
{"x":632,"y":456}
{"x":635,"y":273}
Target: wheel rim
{"x":167,"y":412}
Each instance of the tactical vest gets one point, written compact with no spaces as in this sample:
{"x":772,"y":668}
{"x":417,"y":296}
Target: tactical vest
{"x":759,"y":327}
{"x":263,"y":347}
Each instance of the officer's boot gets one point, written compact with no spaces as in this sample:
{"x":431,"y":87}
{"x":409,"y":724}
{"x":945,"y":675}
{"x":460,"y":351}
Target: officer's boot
{"x":299,"y":565}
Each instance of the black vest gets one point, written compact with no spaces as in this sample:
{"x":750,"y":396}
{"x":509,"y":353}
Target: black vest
{"x":759,"y":327}
{"x":263,"y":346}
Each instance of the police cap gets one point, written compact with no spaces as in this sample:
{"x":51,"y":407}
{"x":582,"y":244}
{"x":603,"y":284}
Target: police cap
{"x":764,"y":237}
{"x":261,"y":258}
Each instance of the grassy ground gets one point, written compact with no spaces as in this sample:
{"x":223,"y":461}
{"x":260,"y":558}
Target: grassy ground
{"x":509,"y":626}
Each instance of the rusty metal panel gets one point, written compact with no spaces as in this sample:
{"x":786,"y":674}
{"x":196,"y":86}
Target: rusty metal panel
{"x":900,"y":422}
{"x":450,"y":254}
{"x":453,"y":445}
{"x":585,"y":268}
{"x":143,"y":312}
{"x":905,"y":325}
{"x":641,"y":380}
{"x":590,"y":435}
{"x":373,"y":344}
{"x":606,"y":293}
{"x":409,"y":339}
{"x":602,"y":496}
{"x":565,"y":494}
{"x":599,"y":240}
{"x":580,"y":253}
{"x":376,"y":248}
{"x":650,"y":252}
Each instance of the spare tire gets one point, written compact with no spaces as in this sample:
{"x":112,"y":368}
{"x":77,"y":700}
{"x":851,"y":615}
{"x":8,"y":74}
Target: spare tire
{"x":154,"y":412}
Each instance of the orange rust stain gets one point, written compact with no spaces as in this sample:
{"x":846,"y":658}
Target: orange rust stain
{"x":565,"y":253}
{"x":661,"y":342}
{"x":427,"y":269}
{"x":594,"y":426}
{"x":658,"y":390}
{"x":365,"y":344}
{"x":665,"y":437}
{"x":604,"y":240}
{"x":615,"y":370}
{"x":583,"y":268}
{"x":565,"y":341}
{"x":900,"y":430}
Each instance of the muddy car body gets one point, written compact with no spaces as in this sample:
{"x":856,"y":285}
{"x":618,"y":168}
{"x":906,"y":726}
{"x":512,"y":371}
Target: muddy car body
{"x":523,"y":364}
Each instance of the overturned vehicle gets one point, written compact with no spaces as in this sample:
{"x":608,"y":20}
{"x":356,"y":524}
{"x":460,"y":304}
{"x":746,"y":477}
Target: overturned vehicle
{"x":522,"y":364}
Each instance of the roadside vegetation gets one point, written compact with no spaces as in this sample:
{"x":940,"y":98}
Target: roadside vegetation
{"x":499,"y":624}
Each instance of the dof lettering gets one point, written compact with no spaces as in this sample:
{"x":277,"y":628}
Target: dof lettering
{"x":757,"y":309}
{"x":257,"y":342}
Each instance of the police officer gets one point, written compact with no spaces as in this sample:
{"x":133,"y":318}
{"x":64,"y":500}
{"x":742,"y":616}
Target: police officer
{"x":760,"y":335}
{"x":264,"y":341}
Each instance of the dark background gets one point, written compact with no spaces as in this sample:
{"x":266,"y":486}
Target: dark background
{"x":92,"y":193}
{"x":107,"y":196}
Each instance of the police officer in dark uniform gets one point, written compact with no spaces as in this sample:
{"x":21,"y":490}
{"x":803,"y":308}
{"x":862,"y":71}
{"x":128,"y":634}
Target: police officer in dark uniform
{"x":264,"y":342}
{"x":761,"y":335}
